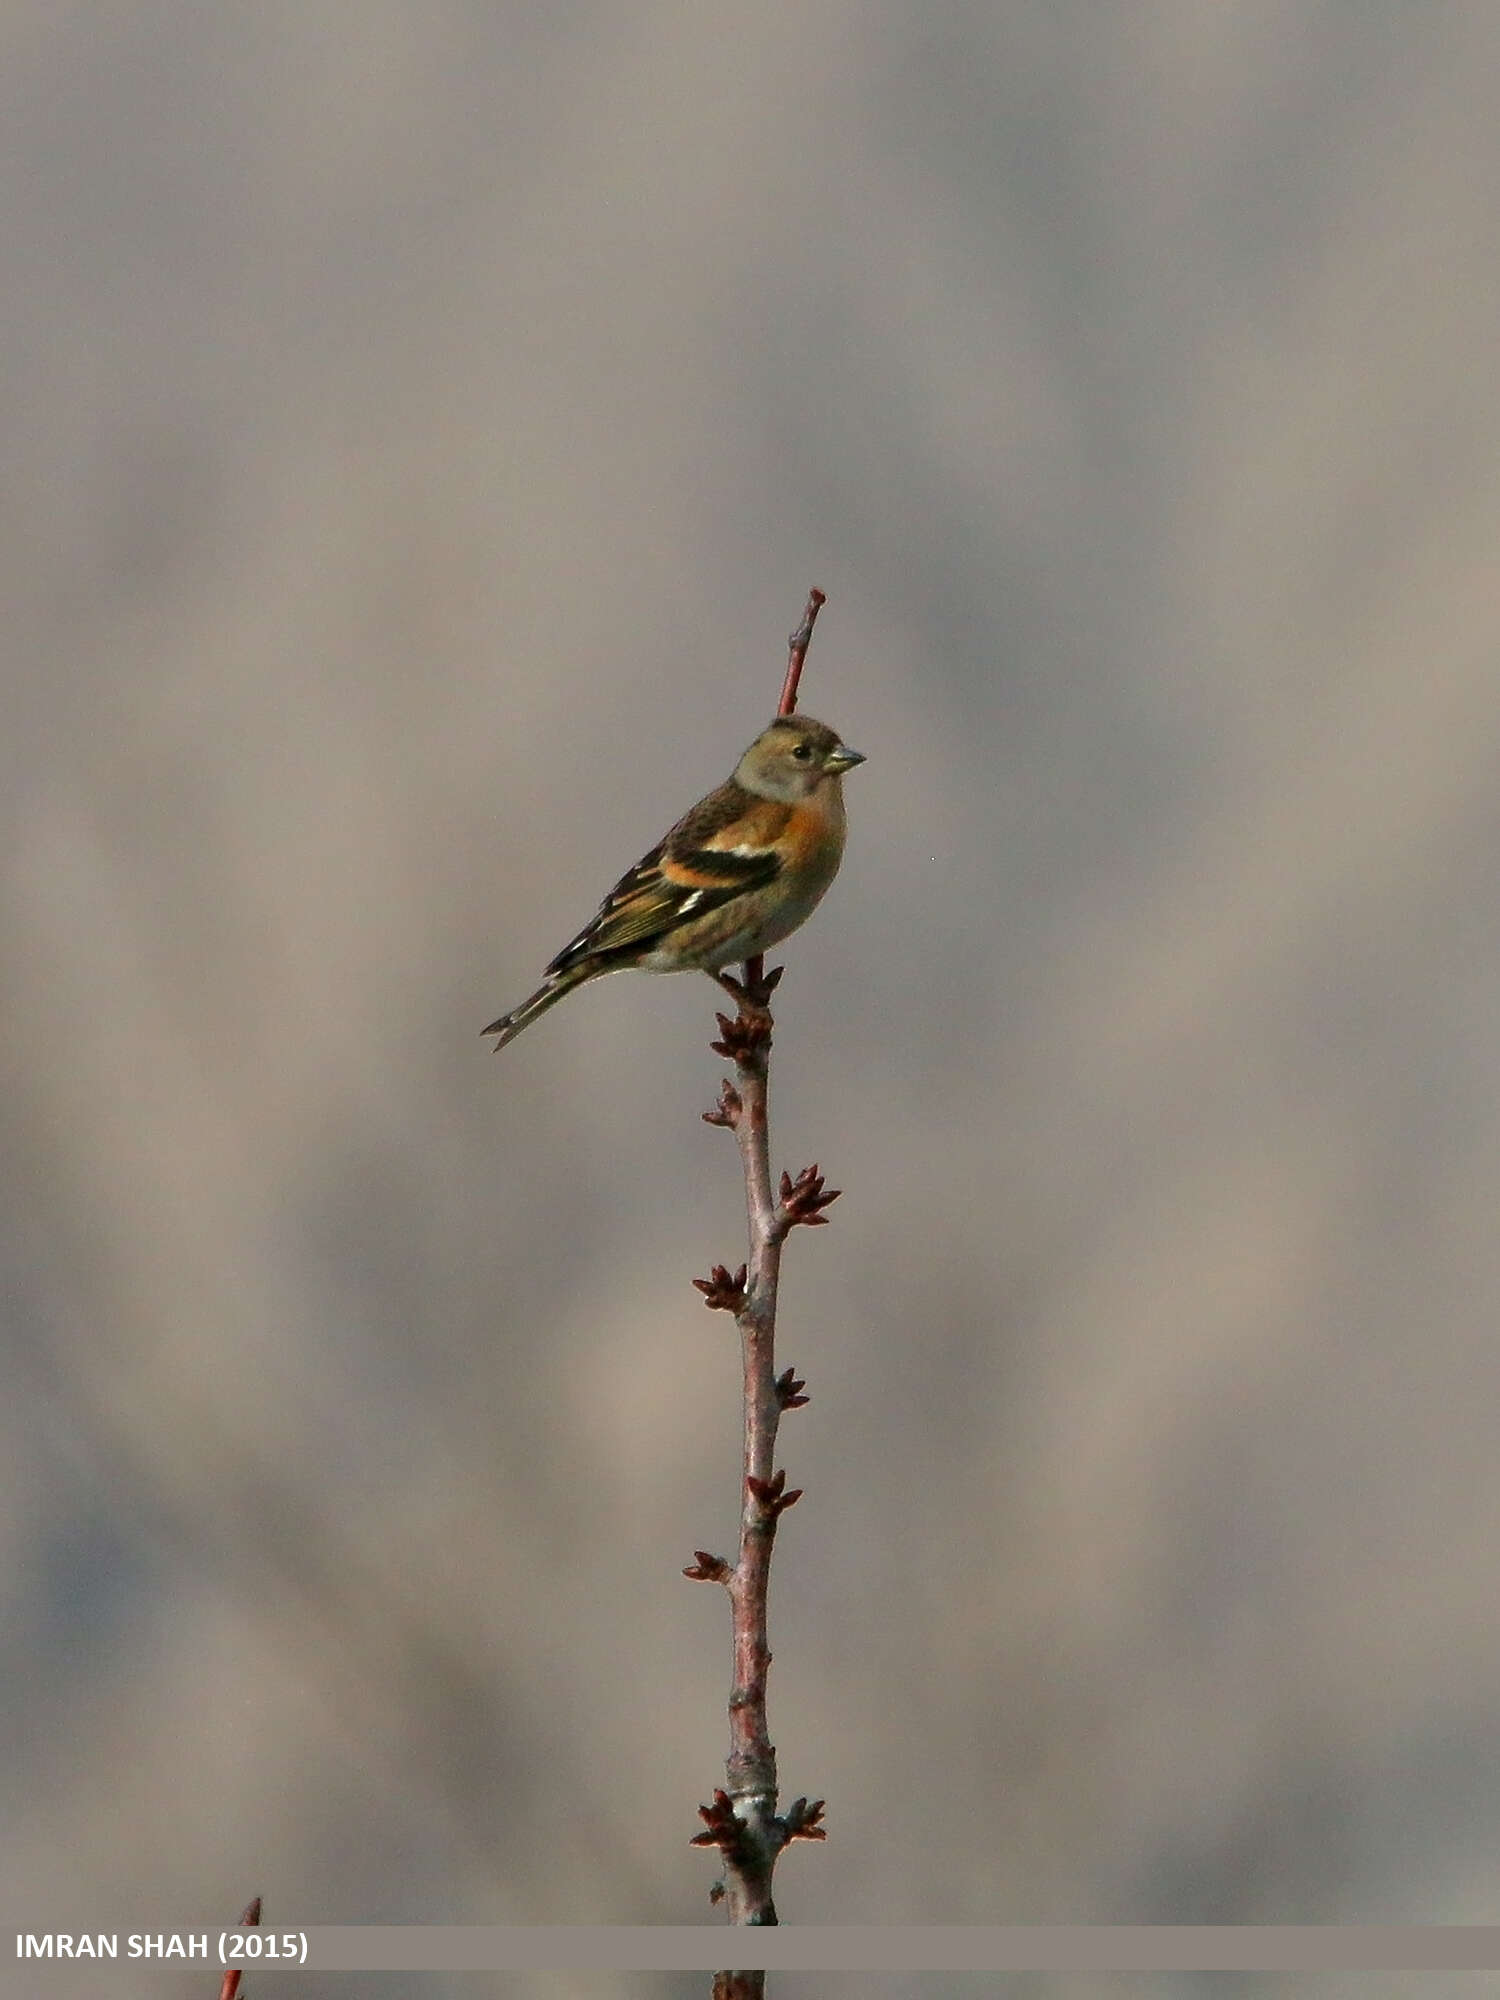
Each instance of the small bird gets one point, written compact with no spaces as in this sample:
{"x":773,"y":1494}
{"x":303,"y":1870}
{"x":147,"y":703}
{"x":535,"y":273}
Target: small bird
{"x":735,"y":875}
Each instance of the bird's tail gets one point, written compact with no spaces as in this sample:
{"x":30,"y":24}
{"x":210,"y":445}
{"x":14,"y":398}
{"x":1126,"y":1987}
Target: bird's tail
{"x":547,"y":995}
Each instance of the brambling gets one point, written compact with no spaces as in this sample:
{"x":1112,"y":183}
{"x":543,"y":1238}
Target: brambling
{"x":735,"y":875}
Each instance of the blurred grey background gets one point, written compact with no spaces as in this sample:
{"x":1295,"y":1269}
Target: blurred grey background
{"x":422,"y":425}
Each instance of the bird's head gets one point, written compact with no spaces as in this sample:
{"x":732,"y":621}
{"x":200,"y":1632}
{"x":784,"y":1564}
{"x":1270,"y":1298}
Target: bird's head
{"x":792,"y":757}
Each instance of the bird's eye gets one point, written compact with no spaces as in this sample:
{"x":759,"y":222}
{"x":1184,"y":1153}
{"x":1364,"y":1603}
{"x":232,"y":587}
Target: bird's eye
{"x":801,"y":751}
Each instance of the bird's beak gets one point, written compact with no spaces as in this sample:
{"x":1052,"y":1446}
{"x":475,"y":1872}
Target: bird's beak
{"x":843,"y":759}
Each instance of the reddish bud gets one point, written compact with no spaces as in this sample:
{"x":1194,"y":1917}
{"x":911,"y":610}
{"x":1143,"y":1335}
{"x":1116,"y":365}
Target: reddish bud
{"x":727,"y":1110}
{"x":721,"y":1291}
{"x":802,"y":1821}
{"x":803,"y":1199}
{"x":789,"y":1391}
{"x":744,"y":1039}
{"x":772,"y":1495}
{"x":708,"y":1568}
{"x":724,"y":1830}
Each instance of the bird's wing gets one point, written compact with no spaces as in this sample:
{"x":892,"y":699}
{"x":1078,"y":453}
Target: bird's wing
{"x":694,"y":870}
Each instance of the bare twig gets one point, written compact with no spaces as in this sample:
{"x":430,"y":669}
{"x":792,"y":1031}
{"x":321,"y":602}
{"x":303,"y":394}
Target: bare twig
{"x":742,"y":1821}
{"x":797,"y":646}
{"x":229,"y":1985}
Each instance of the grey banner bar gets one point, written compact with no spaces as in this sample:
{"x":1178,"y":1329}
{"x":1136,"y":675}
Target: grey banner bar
{"x":910,"y":1948}
{"x":792,"y":1948}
